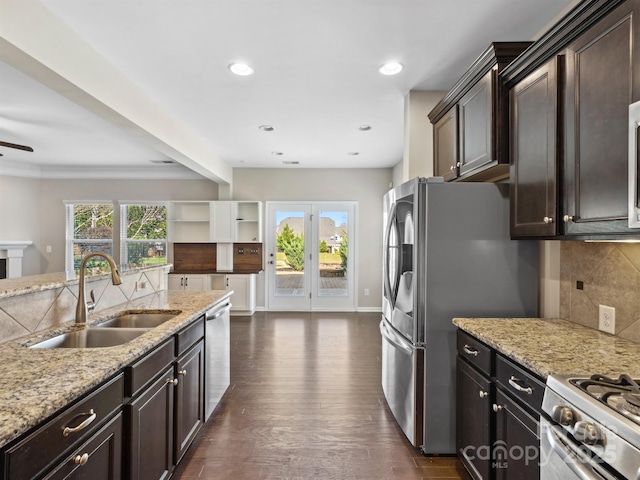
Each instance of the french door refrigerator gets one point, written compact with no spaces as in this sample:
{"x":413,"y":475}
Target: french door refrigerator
{"x":447,"y":254}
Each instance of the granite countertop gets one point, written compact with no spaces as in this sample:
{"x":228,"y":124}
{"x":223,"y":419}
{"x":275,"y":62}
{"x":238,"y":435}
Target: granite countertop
{"x":555,"y":346}
{"x":35,"y":383}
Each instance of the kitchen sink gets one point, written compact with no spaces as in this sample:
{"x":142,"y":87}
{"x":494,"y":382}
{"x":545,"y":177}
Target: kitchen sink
{"x":133,"y":319}
{"x":92,"y":338}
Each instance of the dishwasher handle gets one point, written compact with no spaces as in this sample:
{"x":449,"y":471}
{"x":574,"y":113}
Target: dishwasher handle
{"x":217,"y":312}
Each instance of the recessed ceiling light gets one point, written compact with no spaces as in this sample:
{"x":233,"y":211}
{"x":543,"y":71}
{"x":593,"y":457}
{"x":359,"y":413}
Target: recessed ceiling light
{"x":266,"y":128}
{"x":241,"y":69}
{"x":364,"y":128}
{"x":276,"y":153}
{"x":353,"y":153}
{"x":391,"y":68}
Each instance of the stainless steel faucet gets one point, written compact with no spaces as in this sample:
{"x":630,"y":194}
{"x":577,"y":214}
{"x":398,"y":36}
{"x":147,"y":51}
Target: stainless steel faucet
{"x":83,"y":308}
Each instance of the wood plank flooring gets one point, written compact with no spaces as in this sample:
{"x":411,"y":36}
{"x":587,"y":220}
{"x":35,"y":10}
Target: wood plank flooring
{"x":305,"y":402}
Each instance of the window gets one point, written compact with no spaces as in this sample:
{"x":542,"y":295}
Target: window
{"x":89,"y":229}
{"x":143,"y":234}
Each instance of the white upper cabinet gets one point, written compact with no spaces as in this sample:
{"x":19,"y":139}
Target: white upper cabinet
{"x":239,"y":222}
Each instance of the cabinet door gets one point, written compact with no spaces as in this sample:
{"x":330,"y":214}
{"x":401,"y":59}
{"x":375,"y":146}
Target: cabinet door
{"x":151,"y":435}
{"x":445,"y":146}
{"x":176,"y":281}
{"x":473,"y":415}
{"x":477,"y":125}
{"x":603,"y":66}
{"x":533,"y":171}
{"x":516,"y":451}
{"x":223,"y":222}
{"x":243,"y":292}
{"x":100,"y":458}
{"x":189,"y":415}
{"x":197,"y":282}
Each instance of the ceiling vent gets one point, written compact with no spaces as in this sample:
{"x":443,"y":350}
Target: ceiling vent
{"x":163,"y":161}
{"x":291,"y":162}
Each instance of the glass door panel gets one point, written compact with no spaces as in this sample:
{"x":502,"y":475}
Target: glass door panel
{"x":333,"y":240}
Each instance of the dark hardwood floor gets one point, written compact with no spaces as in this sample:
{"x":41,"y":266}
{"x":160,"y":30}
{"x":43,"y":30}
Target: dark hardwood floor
{"x":305,"y":402}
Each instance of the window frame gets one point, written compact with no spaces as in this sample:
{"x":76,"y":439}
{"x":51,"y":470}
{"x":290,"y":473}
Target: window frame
{"x":125,"y":241}
{"x":71,"y":240}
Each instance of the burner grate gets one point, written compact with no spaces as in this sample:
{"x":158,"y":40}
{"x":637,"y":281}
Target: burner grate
{"x":622,"y":393}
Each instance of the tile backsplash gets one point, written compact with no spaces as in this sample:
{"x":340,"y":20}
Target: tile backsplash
{"x":610,"y":275}
{"x":32,"y":312}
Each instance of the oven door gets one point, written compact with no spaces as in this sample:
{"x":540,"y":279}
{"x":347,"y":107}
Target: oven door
{"x":561,"y":457}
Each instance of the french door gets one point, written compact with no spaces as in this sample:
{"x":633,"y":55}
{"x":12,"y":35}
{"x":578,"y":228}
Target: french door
{"x":310,"y":256}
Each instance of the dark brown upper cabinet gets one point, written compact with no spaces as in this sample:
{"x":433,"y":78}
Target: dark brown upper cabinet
{"x":470,"y":124}
{"x":534,"y":151}
{"x":594,"y":55}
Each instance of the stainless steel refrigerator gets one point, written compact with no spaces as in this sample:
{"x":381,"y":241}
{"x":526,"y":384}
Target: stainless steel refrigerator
{"x":447,"y":254}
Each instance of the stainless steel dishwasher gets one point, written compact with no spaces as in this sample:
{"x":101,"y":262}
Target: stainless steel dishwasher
{"x":217,"y":354}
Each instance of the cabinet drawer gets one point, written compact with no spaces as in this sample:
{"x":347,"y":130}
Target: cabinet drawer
{"x":189,"y":336}
{"x":520,"y":383}
{"x":33,"y":454}
{"x":147,"y":368}
{"x":476,"y":352}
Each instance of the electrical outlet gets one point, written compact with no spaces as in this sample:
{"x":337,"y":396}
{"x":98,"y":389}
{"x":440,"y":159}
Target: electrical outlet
{"x":607,"y":319}
{"x":366,"y":292}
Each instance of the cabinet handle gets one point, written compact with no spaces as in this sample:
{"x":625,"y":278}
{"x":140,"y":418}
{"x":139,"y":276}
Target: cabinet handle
{"x":182,"y":281}
{"x":513,"y":381}
{"x":483,"y":394}
{"x":186,"y":281}
{"x":92,"y":416}
{"x":173,"y":381}
{"x":81,"y":459}
{"x":470,"y":351}
{"x":451,"y":168}
{"x":567,"y":218}
{"x":458,"y":164}
{"x":182,"y":372}
{"x":547,"y":219}
{"x":497,"y":408}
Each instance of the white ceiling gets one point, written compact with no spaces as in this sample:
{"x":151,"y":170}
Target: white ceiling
{"x":315,"y":79}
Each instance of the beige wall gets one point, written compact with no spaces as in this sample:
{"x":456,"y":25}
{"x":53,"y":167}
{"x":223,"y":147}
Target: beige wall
{"x":20,"y":217}
{"x":33,"y":209}
{"x":366,"y":186}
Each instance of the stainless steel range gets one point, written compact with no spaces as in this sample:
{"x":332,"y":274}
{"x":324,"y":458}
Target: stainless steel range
{"x":594,"y":428}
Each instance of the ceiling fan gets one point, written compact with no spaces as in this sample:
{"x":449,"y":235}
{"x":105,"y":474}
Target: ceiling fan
{"x":15,"y":145}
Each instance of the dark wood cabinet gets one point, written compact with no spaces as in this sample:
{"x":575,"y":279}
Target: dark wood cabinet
{"x":474,"y":397}
{"x":534,"y":152}
{"x":602,"y":70}
{"x":516,"y":449}
{"x":445,"y":144}
{"x":189,"y":404}
{"x":470,"y":124}
{"x":497,"y":406}
{"x":569,"y":104}
{"x":99,"y":458}
{"x":151,"y":430}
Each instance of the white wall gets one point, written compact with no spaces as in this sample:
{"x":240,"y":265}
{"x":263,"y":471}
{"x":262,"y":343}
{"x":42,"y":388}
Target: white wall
{"x":366,"y":186}
{"x":20,"y":217}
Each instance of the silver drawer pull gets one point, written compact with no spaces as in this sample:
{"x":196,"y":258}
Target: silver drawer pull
{"x":470,"y":351}
{"x":92,"y":416}
{"x":182,"y":372}
{"x":513,"y":381}
{"x":497,"y":407}
{"x":483,"y":394}
{"x":81,"y":459}
{"x":172,"y":381}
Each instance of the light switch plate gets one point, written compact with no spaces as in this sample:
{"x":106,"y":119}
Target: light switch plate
{"x":607,"y":319}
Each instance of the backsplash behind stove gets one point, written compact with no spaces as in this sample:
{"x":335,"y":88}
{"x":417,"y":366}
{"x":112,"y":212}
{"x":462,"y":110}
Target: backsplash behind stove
{"x":610,"y":275}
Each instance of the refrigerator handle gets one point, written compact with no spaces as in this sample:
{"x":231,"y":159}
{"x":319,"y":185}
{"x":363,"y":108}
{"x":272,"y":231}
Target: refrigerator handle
{"x":394,"y":339}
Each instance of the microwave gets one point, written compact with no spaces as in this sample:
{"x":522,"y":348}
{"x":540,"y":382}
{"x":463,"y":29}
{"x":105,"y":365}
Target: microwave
{"x":634,"y":165}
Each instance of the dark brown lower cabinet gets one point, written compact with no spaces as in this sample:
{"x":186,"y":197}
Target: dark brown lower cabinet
{"x":517,"y":445}
{"x":151,"y":430}
{"x":473,"y":419}
{"x":189,"y":403}
{"x":99,"y":458}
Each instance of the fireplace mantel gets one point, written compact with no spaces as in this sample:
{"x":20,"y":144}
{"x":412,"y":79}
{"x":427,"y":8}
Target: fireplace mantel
{"x":13,"y":251}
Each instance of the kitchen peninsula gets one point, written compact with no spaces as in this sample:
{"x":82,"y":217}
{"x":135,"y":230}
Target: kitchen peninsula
{"x":39,"y":383}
